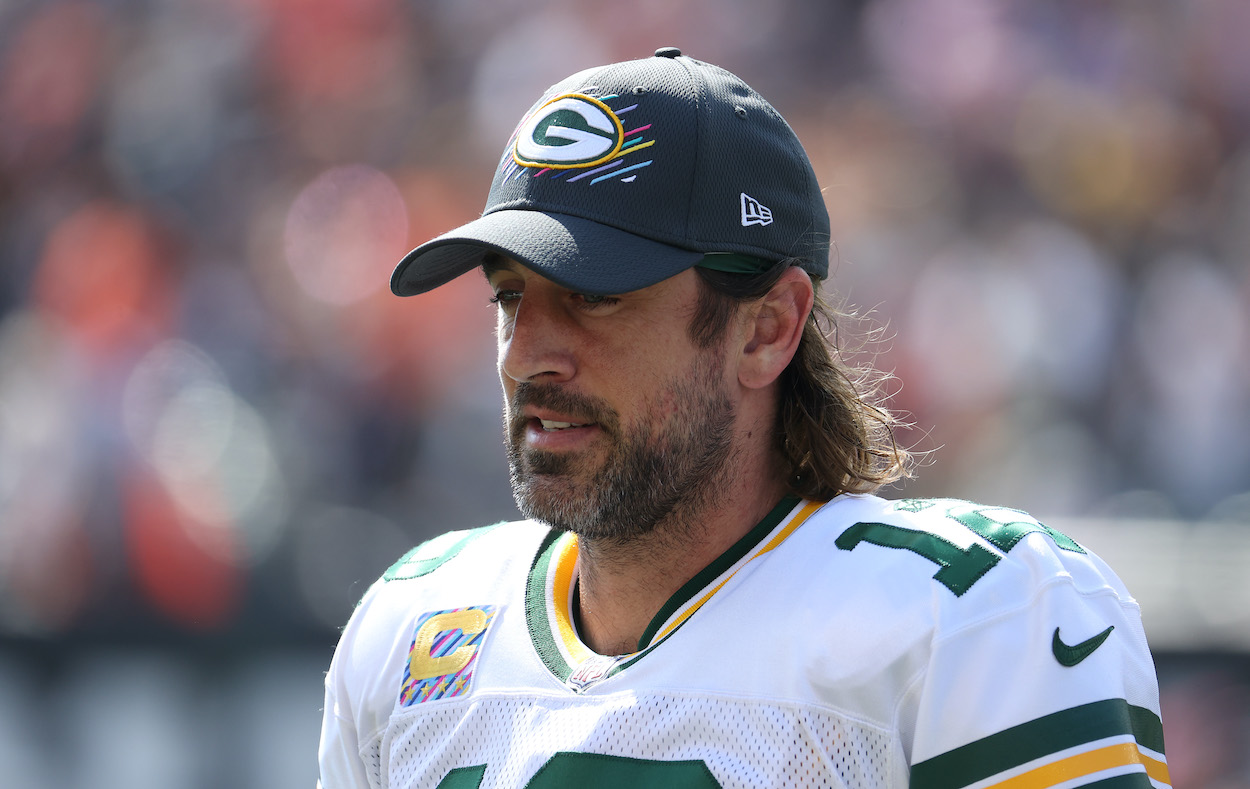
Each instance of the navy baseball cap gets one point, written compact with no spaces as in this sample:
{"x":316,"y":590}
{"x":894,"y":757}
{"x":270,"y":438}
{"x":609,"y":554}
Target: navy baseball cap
{"x":625,"y":175}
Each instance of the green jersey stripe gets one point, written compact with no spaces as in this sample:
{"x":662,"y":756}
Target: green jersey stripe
{"x":538,"y":592}
{"x":1037,"y":739}
{"x":1147,"y":728}
{"x":718,"y":566}
{"x":536,"y":610}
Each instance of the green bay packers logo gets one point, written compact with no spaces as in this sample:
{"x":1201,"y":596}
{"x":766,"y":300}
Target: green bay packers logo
{"x":569,"y":131}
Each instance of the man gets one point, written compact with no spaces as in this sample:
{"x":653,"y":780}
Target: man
{"x":706,"y":593}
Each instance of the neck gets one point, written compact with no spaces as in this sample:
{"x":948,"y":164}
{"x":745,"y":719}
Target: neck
{"x":623,"y":585}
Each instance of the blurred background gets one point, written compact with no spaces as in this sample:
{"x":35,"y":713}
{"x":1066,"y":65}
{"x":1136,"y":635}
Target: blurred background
{"x":217,"y":426}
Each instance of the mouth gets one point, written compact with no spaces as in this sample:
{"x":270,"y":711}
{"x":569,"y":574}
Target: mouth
{"x":548,"y":418}
{"x":552,"y":425}
{"x":555,"y":435}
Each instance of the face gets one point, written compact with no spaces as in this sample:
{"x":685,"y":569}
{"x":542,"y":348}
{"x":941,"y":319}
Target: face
{"x":614,"y":420}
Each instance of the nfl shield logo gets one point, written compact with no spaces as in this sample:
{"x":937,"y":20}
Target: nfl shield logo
{"x":592,"y":670}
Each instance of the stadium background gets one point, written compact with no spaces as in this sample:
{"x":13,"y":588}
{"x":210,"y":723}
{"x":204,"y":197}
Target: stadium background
{"x":217,"y":426}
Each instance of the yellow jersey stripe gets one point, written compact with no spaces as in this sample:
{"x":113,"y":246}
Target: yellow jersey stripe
{"x":1157,"y":770}
{"x":779,"y":538}
{"x":1119,"y":755}
{"x":564,"y":561}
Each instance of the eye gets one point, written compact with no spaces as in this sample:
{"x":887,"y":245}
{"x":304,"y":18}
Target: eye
{"x":505,"y":298}
{"x":592,"y":300}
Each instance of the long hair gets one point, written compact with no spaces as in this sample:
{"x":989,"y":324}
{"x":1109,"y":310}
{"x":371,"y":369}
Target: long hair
{"x":833,"y":431}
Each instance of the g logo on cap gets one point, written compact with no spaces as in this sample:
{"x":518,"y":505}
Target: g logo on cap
{"x":570,"y":131}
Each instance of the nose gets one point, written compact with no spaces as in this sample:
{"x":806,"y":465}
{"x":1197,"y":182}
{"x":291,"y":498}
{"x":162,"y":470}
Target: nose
{"x":536,"y":341}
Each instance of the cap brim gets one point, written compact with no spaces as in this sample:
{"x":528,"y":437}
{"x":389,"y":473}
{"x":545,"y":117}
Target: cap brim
{"x":573,"y":252}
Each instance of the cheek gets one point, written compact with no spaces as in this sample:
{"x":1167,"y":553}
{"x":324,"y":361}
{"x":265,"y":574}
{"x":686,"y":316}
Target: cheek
{"x":503,"y":339}
{"x":505,"y":383}
{"x":663,"y":407}
{"x":655,"y":396}
{"x":503,"y":330}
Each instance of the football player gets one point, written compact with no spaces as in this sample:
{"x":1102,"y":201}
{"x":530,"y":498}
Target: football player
{"x":706,"y":591}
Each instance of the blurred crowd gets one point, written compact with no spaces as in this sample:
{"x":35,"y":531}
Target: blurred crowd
{"x":217,"y":425}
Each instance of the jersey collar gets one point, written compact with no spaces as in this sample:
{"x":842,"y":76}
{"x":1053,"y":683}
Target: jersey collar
{"x":549,"y":596}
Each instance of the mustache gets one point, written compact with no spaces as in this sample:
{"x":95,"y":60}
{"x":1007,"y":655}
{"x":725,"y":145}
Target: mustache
{"x":581,"y":408}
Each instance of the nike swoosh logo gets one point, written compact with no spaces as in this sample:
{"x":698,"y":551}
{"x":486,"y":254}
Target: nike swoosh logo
{"x":1071,"y":655}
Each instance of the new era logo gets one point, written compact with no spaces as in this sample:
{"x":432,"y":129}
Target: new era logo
{"x":754,"y":212}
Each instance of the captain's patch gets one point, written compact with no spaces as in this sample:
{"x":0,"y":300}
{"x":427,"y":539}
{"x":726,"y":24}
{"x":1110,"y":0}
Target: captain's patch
{"x":444,"y":653}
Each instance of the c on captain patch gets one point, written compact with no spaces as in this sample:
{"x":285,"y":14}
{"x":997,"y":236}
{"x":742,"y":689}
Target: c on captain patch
{"x":444,"y":653}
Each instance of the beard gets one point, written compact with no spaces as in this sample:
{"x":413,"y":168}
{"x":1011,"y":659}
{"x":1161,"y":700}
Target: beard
{"x":654,"y":472}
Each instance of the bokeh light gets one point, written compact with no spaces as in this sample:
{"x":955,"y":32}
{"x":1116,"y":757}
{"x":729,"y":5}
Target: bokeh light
{"x":210,"y":450}
{"x":345,"y":232}
{"x":102,"y":275}
{"x":49,"y":79}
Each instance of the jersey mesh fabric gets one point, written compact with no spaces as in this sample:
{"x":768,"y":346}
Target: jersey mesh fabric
{"x":372,"y":758}
{"x":743,"y":742}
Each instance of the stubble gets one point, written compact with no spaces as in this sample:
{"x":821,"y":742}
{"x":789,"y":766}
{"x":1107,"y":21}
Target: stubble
{"x":662,"y":470}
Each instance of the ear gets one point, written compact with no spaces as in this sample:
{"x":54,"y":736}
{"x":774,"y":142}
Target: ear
{"x":774,"y":326}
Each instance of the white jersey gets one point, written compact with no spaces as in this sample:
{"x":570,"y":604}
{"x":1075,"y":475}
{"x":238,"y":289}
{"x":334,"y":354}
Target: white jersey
{"x":857,"y":643}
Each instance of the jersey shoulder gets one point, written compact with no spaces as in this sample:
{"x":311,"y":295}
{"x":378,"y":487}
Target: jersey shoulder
{"x":461,"y":577}
{"x":469,"y":552}
{"x":486,"y":562}
{"x":970,"y":547}
{"x":1007,"y":602}
{"x":432,"y":554}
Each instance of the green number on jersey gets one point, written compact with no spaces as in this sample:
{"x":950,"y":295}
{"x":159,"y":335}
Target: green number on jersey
{"x":463,"y":778}
{"x":567,"y":769}
{"x":959,"y":567}
{"x":1004,"y":536}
